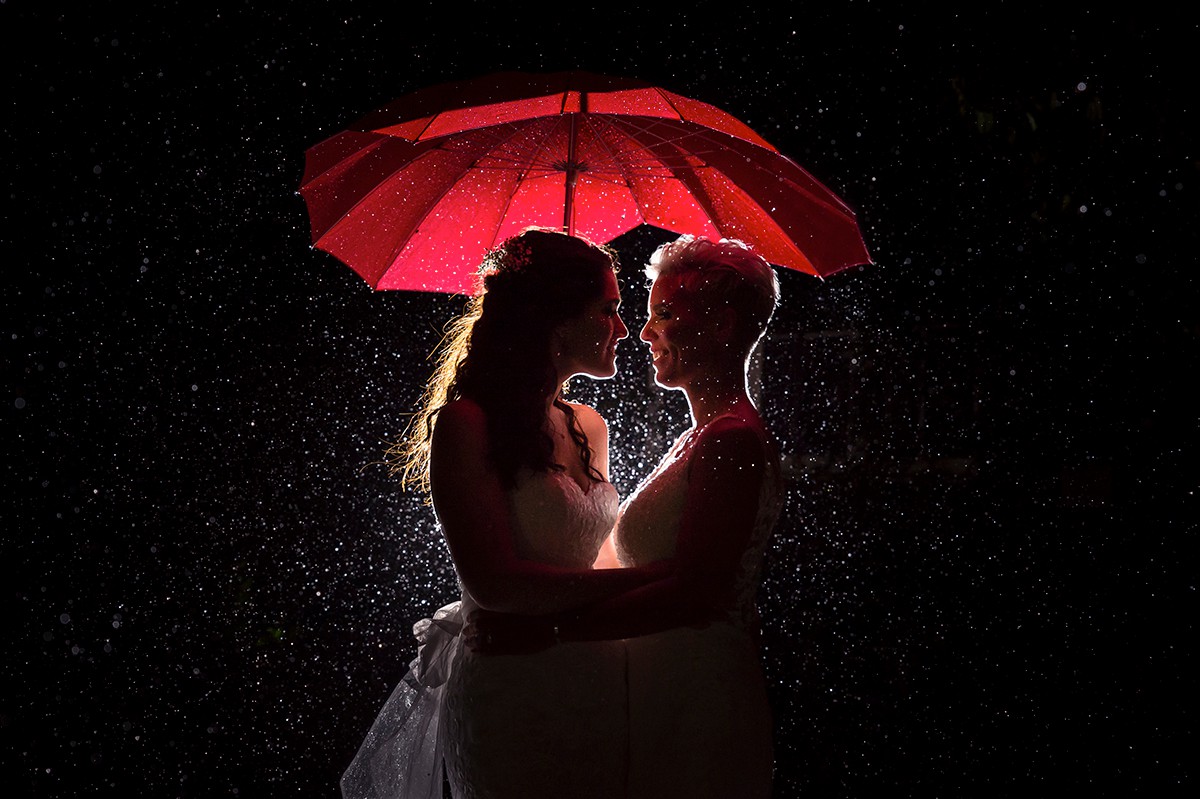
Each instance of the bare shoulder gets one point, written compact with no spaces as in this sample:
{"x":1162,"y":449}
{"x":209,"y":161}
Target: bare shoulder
{"x":590,"y":420}
{"x":735,"y":425}
{"x":461,"y":409}
{"x":460,"y":417}
{"x":742,"y":436}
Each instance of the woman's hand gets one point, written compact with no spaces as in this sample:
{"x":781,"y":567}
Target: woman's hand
{"x":660,"y":568}
{"x":491,"y":633}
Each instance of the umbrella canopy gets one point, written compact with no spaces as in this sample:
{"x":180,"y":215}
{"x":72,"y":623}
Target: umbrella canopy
{"x":413,"y":195}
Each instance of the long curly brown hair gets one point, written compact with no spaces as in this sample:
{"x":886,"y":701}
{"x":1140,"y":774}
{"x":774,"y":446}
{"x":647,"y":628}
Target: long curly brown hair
{"x":497,"y":353}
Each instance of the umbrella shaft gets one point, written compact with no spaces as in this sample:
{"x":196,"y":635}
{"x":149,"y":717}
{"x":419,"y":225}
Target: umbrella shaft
{"x":572,"y":171}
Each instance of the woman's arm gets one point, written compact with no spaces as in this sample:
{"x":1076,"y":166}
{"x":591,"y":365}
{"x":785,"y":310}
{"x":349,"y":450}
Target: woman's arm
{"x":473,"y":509}
{"x":724,"y":482}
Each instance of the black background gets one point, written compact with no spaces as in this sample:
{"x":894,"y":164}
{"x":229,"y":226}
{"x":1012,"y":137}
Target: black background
{"x":984,"y":584}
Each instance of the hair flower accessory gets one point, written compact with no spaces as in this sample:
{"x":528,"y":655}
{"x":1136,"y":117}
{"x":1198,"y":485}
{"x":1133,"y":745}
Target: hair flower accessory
{"x":511,"y":257}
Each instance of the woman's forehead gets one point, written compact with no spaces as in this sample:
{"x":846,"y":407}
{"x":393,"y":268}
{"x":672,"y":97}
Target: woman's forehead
{"x":666,"y":290}
{"x":612,"y":288}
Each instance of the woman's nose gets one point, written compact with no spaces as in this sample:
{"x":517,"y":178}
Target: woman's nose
{"x":647,"y":332}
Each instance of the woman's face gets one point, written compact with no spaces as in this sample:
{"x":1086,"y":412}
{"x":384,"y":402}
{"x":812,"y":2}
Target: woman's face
{"x":677,"y":332}
{"x":587,"y":344}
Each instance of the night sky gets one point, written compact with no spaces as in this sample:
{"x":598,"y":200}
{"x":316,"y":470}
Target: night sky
{"x":984,"y":582}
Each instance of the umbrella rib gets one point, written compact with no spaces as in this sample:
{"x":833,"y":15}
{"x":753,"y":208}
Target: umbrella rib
{"x":513,"y":130}
{"x":523,"y":170}
{"x":679,"y":157}
{"x":695,"y":188}
{"x":668,"y":101}
{"x":623,"y":176}
{"x":367,"y":195}
{"x":427,"y":126}
{"x":683,"y":161}
{"x":395,"y":252}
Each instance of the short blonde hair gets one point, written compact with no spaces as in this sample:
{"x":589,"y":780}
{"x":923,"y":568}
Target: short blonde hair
{"x":725,"y":272}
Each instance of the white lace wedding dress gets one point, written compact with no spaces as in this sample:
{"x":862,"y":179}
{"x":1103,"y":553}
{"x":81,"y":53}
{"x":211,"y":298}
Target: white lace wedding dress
{"x":699,"y":722}
{"x":550,"y":724}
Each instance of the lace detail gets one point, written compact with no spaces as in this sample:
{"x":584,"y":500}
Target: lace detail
{"x":560,"y":523}
{"x":402,"y":754}
{"x":745,"y":587}
{"x":552,"y":723}
{"x":485,"y":713}
{"x":648,"y":522}
{"x":699,"y":717}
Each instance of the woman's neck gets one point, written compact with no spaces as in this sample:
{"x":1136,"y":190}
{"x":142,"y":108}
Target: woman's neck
{"x":715,"y":395}
{"x":553,"y":399}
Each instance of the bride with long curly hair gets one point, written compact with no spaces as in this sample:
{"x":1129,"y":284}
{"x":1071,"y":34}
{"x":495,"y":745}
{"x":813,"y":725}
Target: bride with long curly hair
{"x":518,"y":479}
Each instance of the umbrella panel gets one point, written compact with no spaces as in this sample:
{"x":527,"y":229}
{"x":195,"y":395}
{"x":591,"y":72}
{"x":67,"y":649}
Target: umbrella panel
{"x":511,"y":97}
{"x":421,"y":214}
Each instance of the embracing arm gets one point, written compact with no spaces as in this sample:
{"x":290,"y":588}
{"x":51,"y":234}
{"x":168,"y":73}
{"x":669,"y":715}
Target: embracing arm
{"x":473,"y":509}
{"x":724,"y":481}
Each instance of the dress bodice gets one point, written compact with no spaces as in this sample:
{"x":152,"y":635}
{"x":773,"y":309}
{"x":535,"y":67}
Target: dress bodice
{"x":648,"y":522}
{"x":512,"y":726}
{"x":558,"y":522}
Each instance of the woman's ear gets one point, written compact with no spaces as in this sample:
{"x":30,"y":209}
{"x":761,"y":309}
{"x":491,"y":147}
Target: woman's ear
{"x":724,"y":322}
{"x":556,"y":344}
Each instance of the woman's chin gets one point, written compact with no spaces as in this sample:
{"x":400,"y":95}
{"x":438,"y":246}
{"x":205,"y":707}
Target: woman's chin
{"x":601,"y":372}
{"x":663,"y":378}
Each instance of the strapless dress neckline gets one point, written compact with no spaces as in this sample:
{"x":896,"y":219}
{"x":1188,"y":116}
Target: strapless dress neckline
{"x":559,"y":522}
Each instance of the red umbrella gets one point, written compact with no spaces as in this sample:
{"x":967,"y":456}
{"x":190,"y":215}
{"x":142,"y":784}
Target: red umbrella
{"x":413,"y":195}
